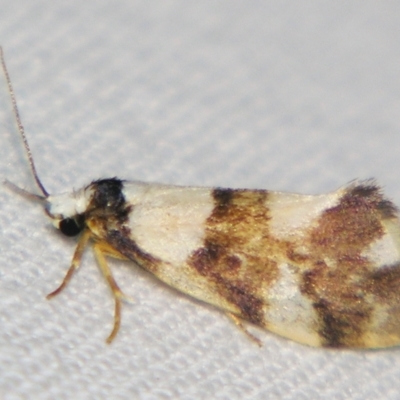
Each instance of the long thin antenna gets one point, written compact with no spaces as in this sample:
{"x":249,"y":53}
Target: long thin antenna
{"x":20,"y":126}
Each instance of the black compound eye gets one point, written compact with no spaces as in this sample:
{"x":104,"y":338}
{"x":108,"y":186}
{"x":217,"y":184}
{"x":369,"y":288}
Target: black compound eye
{"x":70,"y":227}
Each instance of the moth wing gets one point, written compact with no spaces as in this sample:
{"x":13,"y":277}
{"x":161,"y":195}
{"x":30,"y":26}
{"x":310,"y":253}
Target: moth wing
{"x":311,"y":268}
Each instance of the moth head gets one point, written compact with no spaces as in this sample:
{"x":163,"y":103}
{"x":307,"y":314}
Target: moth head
{"x":67,"y":211}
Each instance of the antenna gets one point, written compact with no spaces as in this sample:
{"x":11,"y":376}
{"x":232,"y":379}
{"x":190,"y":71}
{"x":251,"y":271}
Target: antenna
{"x":20,"y":126}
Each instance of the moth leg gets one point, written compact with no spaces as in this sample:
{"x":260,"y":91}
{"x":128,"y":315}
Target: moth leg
{"x":238,"y":322}
{"x":76,"y":260}
{"x":100,"y":250}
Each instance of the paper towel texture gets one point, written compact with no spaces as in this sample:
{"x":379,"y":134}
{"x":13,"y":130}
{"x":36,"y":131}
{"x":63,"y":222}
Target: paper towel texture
{"x":292,"y":96}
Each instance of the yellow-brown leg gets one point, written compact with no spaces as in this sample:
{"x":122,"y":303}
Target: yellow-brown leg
{"x":239,"y":324}
{"x":76,"y":260}
{"x":99,"y":251}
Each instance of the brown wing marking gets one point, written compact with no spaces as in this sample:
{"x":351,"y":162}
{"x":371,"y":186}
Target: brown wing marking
{"x":236,"y":252}
{"x":341,"y":281}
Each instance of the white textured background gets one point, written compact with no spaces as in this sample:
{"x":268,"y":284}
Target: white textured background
{"x":295,"y":96}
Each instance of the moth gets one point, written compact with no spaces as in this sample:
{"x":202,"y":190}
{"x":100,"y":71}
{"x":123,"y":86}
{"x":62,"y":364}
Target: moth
{"x":321,"y":270}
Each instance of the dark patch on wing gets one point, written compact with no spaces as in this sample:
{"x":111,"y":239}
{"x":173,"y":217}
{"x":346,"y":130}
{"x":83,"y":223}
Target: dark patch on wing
{"x":204,"y":258}
{"x":375,"y":198}
{"x":241,"y":294}
{"x":108,"y":202}
{"x":384,"y":283}
{"x":387,"y":209}
{"x":340,"y":290}
{"x":343,"y":315}
{"x":120,"y":240}
{"x":237,"y":249}
{"x":234,"y":290}
{"x":222,"y":199}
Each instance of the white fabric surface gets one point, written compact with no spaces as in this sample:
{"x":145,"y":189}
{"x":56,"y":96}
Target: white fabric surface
{"x":295,"y":96}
